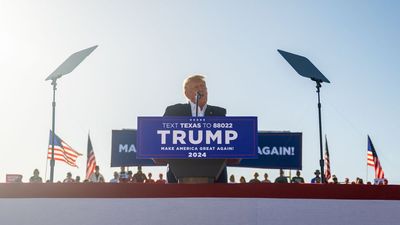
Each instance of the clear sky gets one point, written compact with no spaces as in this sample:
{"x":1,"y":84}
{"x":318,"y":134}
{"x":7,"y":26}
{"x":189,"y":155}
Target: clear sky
{"x":147,"y":48}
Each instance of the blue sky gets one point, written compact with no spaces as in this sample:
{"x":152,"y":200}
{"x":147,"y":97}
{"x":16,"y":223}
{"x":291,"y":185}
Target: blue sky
{"x":146,"y":49}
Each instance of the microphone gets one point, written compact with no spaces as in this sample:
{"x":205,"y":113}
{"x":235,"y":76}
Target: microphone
{"x":198,"y":94}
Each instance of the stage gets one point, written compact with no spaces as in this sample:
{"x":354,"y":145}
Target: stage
{"x":45,"y":204}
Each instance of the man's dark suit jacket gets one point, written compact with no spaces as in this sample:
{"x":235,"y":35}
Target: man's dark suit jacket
{"x":186,"y":110}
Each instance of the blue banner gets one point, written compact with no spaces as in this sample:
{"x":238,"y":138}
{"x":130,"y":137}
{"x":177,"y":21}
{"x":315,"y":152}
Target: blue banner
{"x":123,"y":150}
{"x":275,"y":150}
{"x":197,"y":137}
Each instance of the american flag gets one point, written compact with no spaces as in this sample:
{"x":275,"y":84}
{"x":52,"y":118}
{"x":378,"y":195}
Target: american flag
{"x":91,"y":159}
{"x":374,"y":161}
{"x":62,"y":151}
{"x":327,"y":161}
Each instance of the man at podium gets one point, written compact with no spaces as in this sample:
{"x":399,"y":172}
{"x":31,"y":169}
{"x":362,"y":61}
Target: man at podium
{"x":195,"y":87}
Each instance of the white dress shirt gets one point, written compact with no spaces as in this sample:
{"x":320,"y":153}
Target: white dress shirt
{"x":201,"y":112}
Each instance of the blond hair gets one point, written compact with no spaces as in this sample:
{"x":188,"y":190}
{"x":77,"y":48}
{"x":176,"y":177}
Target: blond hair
{"x":191,"y":79}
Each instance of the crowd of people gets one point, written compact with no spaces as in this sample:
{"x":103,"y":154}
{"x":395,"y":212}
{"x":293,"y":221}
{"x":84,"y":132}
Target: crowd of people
{"x":299,"y":179}
{"x":124,"y":176}
{"x":97,"y":177}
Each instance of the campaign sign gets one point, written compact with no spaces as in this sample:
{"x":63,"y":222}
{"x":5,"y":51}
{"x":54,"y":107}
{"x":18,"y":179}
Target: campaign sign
{"x":13,"y":178}
{"x":197,"y":137}
{"x":123,"y":149}
{"x":277,"y":150}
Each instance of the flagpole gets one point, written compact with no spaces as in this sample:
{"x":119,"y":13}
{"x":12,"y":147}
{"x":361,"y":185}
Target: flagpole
{"x":53,"y":126}
{"x":47,"y":163}
{"x":367,"y":164}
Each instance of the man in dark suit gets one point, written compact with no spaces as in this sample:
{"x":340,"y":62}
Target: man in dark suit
{"x":185,"y":110}
{"x":193,"y":87}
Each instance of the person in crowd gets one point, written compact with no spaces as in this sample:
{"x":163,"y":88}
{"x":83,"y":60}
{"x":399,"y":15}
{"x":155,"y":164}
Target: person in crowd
{"x":123,"y":176}
{"x":232,"y":179}
{"x":317,"y":178}
{"x":266,"y":180}
{"x":69,"y":178}
{"x":195,"y":86}
{"x":101,"y":180}
{"x":297,"y":179}
{"x":242,"y":180}
{"x":96,"y":177}
{"x":130,"y":177}
{"x":139,"y":176}
{"x":346,"y":180}
{"x":334,"y":180}
{"x":378,"y":181}
{"x":149,"y":179}
{"x":35,"y":178}
{"x":77,"y":179}
{"x":161,"y":180}
{"x":18,"y":179}
{"x":255,"y":179}
{"x":359,"y":181}
{"x":282,"y":178}
{"x":385,"y":181}
{"x":115,"y":179}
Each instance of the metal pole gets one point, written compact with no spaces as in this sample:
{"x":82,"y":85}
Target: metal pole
{"x":52,"y":161}
{"x":366,"y":180}
{"x":197,"y":103}
{"x":321,"y":161}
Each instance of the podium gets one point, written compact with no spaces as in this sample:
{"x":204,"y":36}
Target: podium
{"x":196,"y":171}
{"x":197,"y":150}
